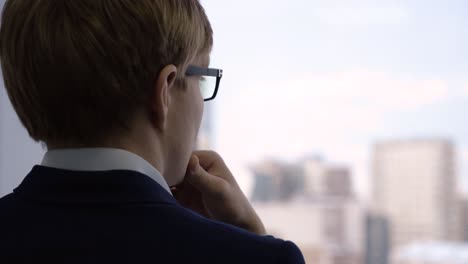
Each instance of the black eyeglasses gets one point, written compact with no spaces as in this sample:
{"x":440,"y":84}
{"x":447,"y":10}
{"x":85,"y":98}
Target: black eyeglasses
{"x":210,"y":82}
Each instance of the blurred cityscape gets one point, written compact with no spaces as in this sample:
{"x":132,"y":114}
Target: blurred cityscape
{"x":415,"y":215}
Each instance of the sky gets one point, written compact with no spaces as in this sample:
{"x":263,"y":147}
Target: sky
{"x":332,"y":77}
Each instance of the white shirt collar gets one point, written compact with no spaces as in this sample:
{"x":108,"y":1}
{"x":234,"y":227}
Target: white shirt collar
{"x":101,"y":159}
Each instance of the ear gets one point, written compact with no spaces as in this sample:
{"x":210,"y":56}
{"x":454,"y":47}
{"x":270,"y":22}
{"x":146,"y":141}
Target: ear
{"x":160,"y":102}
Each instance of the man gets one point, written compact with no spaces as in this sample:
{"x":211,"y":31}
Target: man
{"x":115,"y":90}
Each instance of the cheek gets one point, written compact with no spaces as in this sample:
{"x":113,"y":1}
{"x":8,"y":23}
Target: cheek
{"x":200,"y":110}
{"x":197,"y":106}
{"x":185,"y":123}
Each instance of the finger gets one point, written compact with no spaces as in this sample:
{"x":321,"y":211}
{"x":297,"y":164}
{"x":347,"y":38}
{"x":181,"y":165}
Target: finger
{"x":210,"y":159}
{"x":192,"y":165}
{"x":202,"y":180}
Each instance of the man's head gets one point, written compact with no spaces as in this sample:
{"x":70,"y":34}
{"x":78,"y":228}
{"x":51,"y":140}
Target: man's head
{"x":83,"y":73}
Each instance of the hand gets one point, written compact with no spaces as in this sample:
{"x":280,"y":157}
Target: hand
{"x":210,"y":189}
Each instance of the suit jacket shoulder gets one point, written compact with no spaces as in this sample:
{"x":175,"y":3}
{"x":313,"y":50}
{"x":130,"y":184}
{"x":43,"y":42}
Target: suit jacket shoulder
{"x":58,"y":216}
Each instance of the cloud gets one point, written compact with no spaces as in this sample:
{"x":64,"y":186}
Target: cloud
{"x":313,"y":110}
{"x":356,"y":96}
{"x":381,"y":90}
{"x":346,"y":14}
{"x":332,"y":113}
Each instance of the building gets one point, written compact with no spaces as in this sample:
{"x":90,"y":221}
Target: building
{"x":414,"y":187}
{"x":267,"y":176}
{"x":310,"y":177}
{"x":322,"y":179}
{"x":328,"y":230}
{"x":377,"y":239}
{"x":310,"y":202}
{"x":464,"y":218}
{"x":316,"y":255}
{"x":338,"y":182}
{"x":277,"y":181}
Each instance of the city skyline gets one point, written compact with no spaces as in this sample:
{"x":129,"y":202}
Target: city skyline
{"x":414,"y":202}
{"x":310,"y":201}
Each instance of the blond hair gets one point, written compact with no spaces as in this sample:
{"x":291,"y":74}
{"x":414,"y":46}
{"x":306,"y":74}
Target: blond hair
{"x":78,"y":70}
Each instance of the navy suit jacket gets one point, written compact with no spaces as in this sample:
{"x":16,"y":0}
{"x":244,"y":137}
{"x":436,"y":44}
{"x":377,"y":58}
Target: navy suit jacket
{"x":61,"y":216}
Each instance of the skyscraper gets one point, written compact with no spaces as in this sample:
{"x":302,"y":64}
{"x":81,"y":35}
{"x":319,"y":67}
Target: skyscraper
{"x":277,"y":181}
{"x":338,"y":182}
{"x":323,"y":179}
{"x":377,"y":239}
{"x":414,"y":187}
{"x":464,"y":218}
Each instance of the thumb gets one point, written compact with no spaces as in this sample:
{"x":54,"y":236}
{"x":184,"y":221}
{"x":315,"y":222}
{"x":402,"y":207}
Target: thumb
{"x":201,"y":179}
